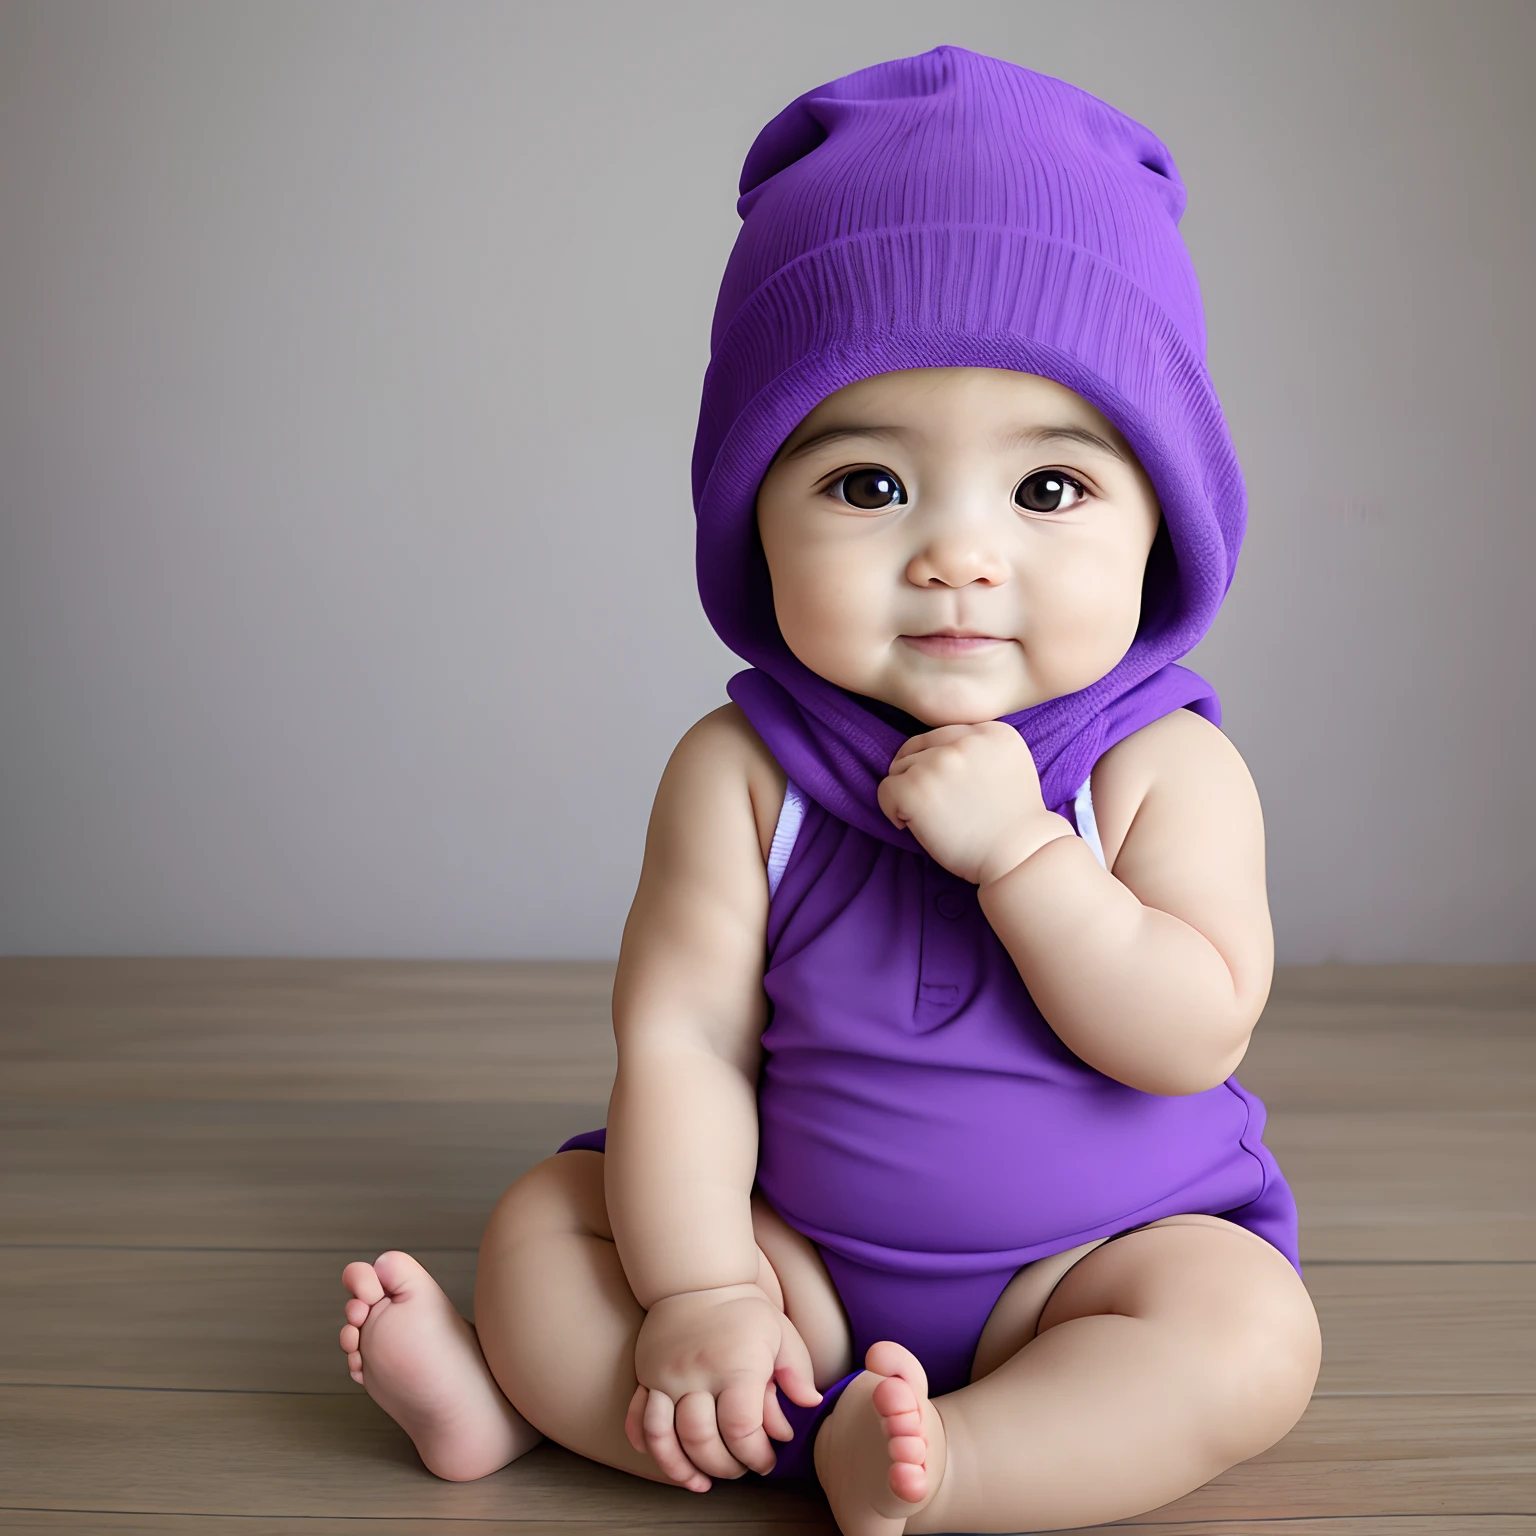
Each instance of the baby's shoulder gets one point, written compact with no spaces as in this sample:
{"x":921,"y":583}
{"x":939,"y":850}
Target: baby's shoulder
{"x":1177,"y":767}
{"x":721,"y":757}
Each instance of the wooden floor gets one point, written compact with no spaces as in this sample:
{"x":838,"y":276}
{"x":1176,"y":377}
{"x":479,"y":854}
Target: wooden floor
{"x":193,"y":1149}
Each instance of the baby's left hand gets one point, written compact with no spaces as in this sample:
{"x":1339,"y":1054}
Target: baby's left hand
{"x":970,"y":795}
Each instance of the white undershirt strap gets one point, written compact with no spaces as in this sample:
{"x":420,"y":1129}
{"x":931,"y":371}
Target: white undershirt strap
{"x":1087,"y":827}
{"x":791,"y":814}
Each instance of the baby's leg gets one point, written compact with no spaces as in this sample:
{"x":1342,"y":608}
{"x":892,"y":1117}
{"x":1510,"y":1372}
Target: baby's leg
{"x":555,"y":1315}
{"x":406,"y":1343}
{"x":558,"y":1322}
{"x":1163,"y":1358}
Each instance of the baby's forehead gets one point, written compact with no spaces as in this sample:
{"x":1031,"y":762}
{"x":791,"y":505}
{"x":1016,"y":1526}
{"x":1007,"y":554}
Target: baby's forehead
{"x":1005,"y":383}
{"x":992,"y":402}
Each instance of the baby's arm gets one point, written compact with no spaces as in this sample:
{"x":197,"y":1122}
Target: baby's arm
{"x":689,"y":1009}
{"x":1154,"y":974}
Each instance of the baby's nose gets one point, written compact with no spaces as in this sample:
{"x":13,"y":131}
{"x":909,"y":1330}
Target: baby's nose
{"x":957,"y":557}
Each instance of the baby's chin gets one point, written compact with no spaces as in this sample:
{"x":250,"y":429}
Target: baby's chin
{"x":957,"y":699}
{"x":954,"y":705}
{"x":932,"y":699}
{"x":935,"y":718}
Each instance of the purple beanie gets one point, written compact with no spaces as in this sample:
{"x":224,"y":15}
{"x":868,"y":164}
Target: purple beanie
{"x":954,"y":210}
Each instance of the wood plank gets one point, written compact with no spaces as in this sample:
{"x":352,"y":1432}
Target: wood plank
{"x":87,"y":1029}
{"x":96,"y":1029}
{"x":359,"y":1177}
{"x":246,"y":1322}
{"x":1432,"y":1060}
{"x":25,"y":1521}
{"x":1360,"y":1037}
{"x":166,"y":987}
{"x":246,"y":1525}
{"x":1459,"y":986}
{"x":1399,"y":1185}
{"x":236,"y":1454}
{"x":266,"y":1322}
{"x":213,"y":1453}
{"x":1426,"y":1328}
{"x":1410,"y":1185}
{"x":1444,"y":1456}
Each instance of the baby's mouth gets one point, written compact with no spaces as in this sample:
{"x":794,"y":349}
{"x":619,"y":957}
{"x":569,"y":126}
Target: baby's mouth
{"x":952,"y":642}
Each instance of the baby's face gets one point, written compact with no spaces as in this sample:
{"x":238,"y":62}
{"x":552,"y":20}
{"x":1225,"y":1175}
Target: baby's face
{"x":930,"y":546}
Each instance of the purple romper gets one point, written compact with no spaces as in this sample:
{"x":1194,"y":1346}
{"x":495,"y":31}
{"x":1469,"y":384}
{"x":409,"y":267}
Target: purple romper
{"x":922,"y":1124}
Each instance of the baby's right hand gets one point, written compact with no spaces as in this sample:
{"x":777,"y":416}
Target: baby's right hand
{"x":706,"y":1363}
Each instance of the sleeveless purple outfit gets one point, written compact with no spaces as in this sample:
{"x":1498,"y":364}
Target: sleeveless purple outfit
{"x":919,"y":1120}
{"x":921,"y":1123}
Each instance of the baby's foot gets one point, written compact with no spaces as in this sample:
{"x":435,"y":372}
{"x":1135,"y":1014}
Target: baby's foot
{"x":880,"y":1453}
{"x":421,"y":1363}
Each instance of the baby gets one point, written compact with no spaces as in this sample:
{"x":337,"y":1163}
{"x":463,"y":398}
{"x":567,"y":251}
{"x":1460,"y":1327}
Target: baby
{"x":925,"y":1171}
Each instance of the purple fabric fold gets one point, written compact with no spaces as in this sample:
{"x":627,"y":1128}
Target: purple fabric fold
{"x":796,"y":1458}
{"x":838,"y":752}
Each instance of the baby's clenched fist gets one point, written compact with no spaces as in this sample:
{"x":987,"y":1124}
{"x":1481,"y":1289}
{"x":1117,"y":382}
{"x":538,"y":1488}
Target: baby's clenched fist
{"x":970,"y":795}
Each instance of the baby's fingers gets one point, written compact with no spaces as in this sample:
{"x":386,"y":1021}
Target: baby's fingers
{"x":699,"y":1433}
{"x":792,"y":1369}
{"x":774,"y":1421}
{"x":740,"y":1411}
{"x":661,"y":1443}
{"x":890,"y":799}
{"x":634,"y":1420}
{"x":924,"y":741}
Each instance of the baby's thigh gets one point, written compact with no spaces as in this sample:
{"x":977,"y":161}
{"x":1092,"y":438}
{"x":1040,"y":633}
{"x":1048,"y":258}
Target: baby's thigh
{"x":795,"y":1278}
{"x":547,"y":1259}
{"x":1015,"y":1316}
{"x":556,"y":1318}
{"x":548,"y":1249}
{"x":1251,"y":1325}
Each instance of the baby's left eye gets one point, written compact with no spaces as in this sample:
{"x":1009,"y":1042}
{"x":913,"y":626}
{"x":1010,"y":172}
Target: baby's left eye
{"x":1040,"y":492}
{"x":870,"y":490}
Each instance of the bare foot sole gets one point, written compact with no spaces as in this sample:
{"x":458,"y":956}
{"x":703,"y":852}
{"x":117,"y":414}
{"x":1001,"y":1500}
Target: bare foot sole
{"x":880,"y":1453}
{"x":421,"y":1363}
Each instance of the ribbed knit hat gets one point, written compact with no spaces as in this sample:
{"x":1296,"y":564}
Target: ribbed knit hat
{"x":955,"y":210}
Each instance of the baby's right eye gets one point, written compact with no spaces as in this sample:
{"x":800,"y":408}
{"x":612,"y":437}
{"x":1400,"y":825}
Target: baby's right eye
{"x":870,"y":490}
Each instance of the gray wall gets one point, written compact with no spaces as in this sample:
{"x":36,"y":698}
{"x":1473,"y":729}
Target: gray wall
{"x":349,"y":357}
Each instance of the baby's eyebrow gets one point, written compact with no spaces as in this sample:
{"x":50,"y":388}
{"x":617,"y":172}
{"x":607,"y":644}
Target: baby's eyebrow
{"x":1031,"y":436}
{"x":1020,"y":437}
{"x":836,"y":435}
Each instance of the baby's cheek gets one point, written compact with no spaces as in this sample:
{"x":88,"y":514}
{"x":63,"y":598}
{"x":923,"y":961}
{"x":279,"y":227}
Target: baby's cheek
{"x":820,"y":618}
{"x":1079,"y":635}
{"x":835,"y":606}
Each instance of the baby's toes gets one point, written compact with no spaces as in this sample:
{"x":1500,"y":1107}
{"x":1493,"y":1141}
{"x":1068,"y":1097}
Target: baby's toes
{"x":909,"y":1482}
{"x":897,"y":1404}
{"x":356,"y":1311}
{"x":360,"y":1279}
{"x":350,"y":1339}
{"x":886,"y":1357}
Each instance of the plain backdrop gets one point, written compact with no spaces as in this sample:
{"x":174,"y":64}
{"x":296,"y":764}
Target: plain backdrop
{"x":349,"y":367}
